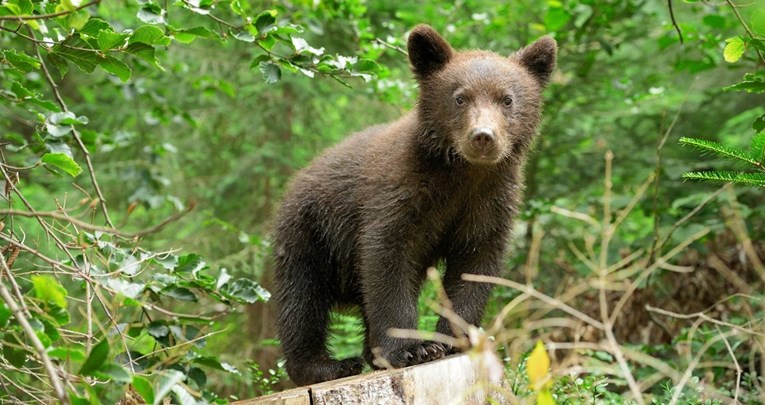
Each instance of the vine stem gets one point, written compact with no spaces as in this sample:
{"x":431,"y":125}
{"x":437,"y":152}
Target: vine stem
{"x":30,"y":332}
{"x":75,"y":134}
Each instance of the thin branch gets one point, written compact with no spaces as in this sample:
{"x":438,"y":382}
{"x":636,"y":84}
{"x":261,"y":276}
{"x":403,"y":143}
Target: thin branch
{"x":32,"y":336}
{"x":46,"y":16}
{"x":96,"y":228}
{"x":75,"y":134}
{"x":674,"y":22}
{"x":746,"y":27}
{"x":536,"y":294}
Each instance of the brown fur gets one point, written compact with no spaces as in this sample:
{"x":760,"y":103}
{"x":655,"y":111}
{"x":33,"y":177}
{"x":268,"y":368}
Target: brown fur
{"x":364,"y":221}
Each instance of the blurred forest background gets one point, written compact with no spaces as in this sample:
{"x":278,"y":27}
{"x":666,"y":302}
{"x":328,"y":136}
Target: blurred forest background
{"x":145,"y":144}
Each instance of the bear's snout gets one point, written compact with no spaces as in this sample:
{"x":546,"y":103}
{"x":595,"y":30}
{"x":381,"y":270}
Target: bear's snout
{"x":482,"y":139}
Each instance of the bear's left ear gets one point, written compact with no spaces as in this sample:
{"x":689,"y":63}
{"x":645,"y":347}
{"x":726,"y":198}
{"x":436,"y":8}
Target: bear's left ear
{"x":539,"y":58}
{"x":428,"y":52}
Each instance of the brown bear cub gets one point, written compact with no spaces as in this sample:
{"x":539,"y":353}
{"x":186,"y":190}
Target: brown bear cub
{"x":364,"y":221}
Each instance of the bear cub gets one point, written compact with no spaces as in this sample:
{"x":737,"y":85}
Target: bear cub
{"x":363,"y":222}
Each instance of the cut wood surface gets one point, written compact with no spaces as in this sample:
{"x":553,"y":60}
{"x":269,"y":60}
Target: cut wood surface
{"x":454,"y":380}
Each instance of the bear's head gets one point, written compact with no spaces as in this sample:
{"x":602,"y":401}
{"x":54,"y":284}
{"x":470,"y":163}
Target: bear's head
{"x":477,"y":105}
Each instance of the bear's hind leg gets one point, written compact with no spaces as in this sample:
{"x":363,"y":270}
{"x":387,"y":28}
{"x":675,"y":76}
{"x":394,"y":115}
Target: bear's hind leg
{"x":304,"y":300}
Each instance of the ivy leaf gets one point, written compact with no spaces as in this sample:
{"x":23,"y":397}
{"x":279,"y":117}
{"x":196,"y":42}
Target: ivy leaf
{"x":734,"y":49}
{"x":48,"y":289}
{"x":96,"y":359}
{"x":63,"y":162}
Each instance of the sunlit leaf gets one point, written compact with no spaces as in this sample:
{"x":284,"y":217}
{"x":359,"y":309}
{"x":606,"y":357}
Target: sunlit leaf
{"x":538,"y":365}
{"x":734,"y":49}
{"x":48,"y":289}
{"x":63,"y":162}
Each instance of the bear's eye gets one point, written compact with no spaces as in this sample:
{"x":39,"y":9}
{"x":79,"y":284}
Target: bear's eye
{"x":459,"y":100}
{"x":507,"y":101}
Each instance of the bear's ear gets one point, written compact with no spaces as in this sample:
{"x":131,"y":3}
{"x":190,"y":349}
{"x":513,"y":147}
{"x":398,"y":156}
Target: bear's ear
{"x":539,"y":58}
{"x":428,"y":52}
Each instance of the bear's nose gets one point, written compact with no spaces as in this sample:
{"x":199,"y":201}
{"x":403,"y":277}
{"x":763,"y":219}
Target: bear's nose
{"x":482,"y":139}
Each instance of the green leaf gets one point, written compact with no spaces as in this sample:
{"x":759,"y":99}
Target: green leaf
{"x":755,"y":179}
{"x":96,"y":359}
{"x":21,"y":61}
{"x":16,"y":357}
{"x":20,"y":7}
{"x":556,"y":18}
{"x":63,"y":162}
{"x":187,"y":35}
{"x":47,"y":288}
{"x":757,"y":149}
{"x":149,"y":35}
{"x":757,"y":22}
{"x":752,"y":83}
{"x":113,"y":372}
{"x":109,"y":40}
{"x":145,"y":52}
{"x":166,"y":381}
{"x":74,"y":353}
{"x":151,"y":14}
{"x":116,"y":67}
{"x":720,"y":149}
{"x":759,"y":124}
{"x":5,"y":314}
{"x":714,"y":21}
{"x":78,"y":52}
{"x":734,"y":49}
{"x":59,"y":63}
{"x":179,"y":293}
{"x":264,"y":21}
{"x":78,"y":19}
{"x":271,"y":72}
{"x":246,"y":290}
{"x":190,"y":263}
{"x":94,"y":26}
{"x":143,"y":387}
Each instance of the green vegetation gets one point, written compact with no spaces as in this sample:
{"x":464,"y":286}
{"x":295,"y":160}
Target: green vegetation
{"x":144,"y":146}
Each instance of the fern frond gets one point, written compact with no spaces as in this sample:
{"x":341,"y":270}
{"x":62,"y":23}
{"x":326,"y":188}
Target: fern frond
{"x":758,"y":147}
{"x":756,"y":179}
{"x":720,"y":149}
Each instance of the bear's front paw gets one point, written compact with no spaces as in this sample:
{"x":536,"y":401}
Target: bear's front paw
{"x":416,"y":353}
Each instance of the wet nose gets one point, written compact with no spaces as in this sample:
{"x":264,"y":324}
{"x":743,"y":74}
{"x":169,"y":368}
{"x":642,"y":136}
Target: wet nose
{"x":482,"y":139}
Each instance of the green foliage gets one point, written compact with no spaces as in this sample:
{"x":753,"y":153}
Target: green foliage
{"x":214,"y":105}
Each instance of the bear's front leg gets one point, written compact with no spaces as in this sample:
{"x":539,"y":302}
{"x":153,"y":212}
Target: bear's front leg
{"x":468,"y":299}
{"x":391,"y":279}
